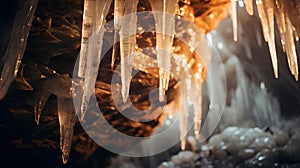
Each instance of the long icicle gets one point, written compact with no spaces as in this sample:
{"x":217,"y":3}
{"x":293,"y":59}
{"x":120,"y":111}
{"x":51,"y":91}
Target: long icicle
{"x":269,"y":13}
{"x":183,"y":114}
{"x":198,"y":110}
{"x":67,"y":119}
{"x":118,"y":13}
{"x":233,"y":15}
{"x":291,"y":49}
{"x":263,"y":19}
{"x":87,"y":29}
{"x":127,"y":44}
{"x":165,"y":29}
{"x":94,"y":52}
{"x":16,"y":46}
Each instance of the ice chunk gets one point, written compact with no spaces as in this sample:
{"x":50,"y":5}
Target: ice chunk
{"x":165,"y":29}
{"x":127,"y":44}
{"x":91,"y":59}
{"x":16,"y":46}
{"x":67,"y":119}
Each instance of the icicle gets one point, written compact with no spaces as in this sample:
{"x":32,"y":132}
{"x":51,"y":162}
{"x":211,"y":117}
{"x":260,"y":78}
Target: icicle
{"x":127,"y":44}
{"x":93,"y":52}
{"x":198,"y":111}
{"x":291,"y":49}
{"x":41,"y":99}
{"x":269,"y":12}
{"x":249,"y":6}
{"x":118,"y":13}
{"x":67,"y":119}
{"x":16,"y":46}
{"x":165,"y":29}
{"x":263,"y":19}
{"x":280,"y":20}
{"x":233,"y":15}
{"x":183,"y":114}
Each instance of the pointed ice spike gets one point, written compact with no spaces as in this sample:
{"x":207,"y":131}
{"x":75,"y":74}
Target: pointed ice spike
{"x":93,"y":52}
{"x":198,"y":110}
{"x":93,"y":18}
{"x":249,"y":6}
{"x":269,"y":11}
{"x":118,"y":13}
{"x":280,"y":20}
{"x":291,"y":49}
{"x":263,"y":19}
{"x":87,"y":29}
{"x":165,"y":29}
{"x":127,"y":44}
{"x":233,"y":15}
{"x":67,"y":119}
{"x":183,"y":114}
{"x":41,"y":99}
{"x":16,"y":45}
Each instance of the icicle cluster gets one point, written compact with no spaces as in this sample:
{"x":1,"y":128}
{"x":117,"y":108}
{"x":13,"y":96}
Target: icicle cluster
{"x":92,"y":38}
{"x":268,"y":10}
{"x":165,"y":29}
{"x":16,"y":46}
{"x":60,"y":86}
{"x":125,"y":27}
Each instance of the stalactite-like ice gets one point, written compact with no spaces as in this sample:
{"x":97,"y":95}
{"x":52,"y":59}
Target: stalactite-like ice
{"x":287,"y":36}
{"x":165,"y":29}
{"x":127,"y":44}
{"x":183,"y":113}
{"x":290,"y":48}
{"x":67,"y":119}
{"x":93,"y":51}
{"x":269,"y":13}
{"x":198,"y":110}
{"x":263,"y":19}
{"x":249,"y":6}
{"x":16,"y":46}
{"x":233,"y":15}
{"x":41,"y":99}
{"x":118,"y":13}
{"x":265,"y":10}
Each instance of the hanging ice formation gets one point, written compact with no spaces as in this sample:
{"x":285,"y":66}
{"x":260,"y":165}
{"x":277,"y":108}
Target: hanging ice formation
{"x":165,"y":29}
{"x":60,"y":86}
{"x":118,"y":13}
{"x":267,"y":9}
{"x":127,"y":44}
{"x":92,"y":39}
{"x":40,"y":101}
{"x":266,"y":14}
{"x":16,"y":46}
{"x":67,"y":119}
{"x":233,"y":15}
